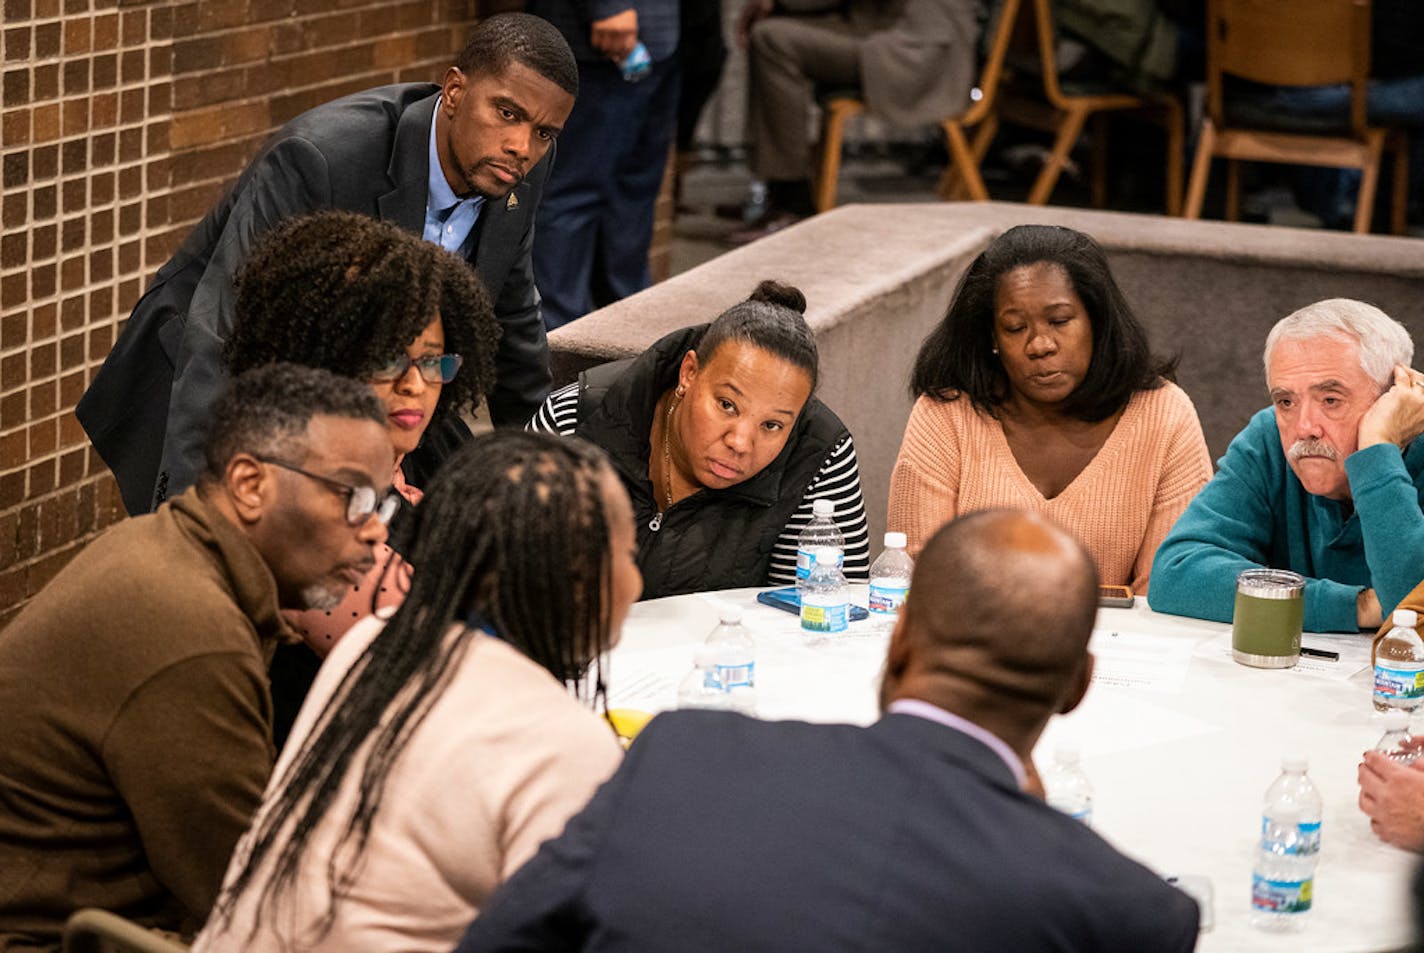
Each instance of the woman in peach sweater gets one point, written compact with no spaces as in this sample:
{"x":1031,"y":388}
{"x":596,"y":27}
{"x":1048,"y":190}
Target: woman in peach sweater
{"x":1038,"y":391}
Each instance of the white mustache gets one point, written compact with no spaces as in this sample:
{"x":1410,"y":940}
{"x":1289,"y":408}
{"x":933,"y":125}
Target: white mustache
{"x":1312,"y":447}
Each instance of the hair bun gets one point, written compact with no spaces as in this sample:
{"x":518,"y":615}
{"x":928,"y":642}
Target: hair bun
{"x":774,"y":292}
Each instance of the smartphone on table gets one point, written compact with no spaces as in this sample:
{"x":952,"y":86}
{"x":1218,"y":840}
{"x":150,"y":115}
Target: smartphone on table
{"x":789,"y":600}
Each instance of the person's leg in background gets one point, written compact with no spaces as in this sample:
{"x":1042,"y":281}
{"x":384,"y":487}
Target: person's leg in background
{"x":789,"y":57}
{"x":625,"y":225}
{"x":702,"y":52}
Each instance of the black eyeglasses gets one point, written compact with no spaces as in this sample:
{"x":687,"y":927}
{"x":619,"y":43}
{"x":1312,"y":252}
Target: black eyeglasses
{"x":361,"y":501}
{"x":433,"y":368}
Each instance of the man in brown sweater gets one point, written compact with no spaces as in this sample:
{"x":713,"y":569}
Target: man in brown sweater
{"x":135,"y":716}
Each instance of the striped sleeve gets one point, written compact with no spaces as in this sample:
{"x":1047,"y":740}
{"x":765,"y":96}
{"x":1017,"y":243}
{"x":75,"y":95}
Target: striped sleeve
{"x":558,"y":414}
{"x":839,"y":482}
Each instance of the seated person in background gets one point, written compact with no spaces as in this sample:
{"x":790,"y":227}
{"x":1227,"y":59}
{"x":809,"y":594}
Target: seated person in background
{"x":911,"y":62}
{"x":367,"y":299}
{"x":135,"y":725}
{"x":1038,"y":391}
{"x":913,"y":834}
{"x":1327,"y":482}
{"x":722,"y":447}
{"x":438,"y":749}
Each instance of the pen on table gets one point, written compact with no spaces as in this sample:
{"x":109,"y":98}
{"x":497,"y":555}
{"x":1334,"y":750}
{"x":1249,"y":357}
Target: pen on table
{"x":1320,"y":653}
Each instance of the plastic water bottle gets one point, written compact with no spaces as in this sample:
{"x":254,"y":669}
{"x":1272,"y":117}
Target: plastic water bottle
{"x":701,"y":688}
{"x":821,"y":531}
{"x":637,"y":64}
{"x":889,"y":582}
{"x":825,"y":603}
{"x":1395,"y":743}
{"x":734,"y":660}
{"x":1067,"y":786}
{"x":1283,"y":883}
{"x":1398,"y":657}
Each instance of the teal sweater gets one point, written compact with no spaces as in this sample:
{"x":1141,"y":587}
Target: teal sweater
{"x":1254,"y":512}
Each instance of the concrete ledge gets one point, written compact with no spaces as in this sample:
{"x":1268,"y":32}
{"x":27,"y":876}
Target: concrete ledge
{"x":878,"y":277}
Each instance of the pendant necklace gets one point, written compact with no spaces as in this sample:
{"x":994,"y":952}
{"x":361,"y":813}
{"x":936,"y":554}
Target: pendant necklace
{"x":656,"y":522}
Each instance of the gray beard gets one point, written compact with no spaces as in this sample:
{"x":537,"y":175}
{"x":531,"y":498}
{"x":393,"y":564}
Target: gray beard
{"x":320,"y":597}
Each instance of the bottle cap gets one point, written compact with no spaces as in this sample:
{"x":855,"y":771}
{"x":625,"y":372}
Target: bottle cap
{"x":1067,"y":751}
{"x":730,"y":614}
{"x":826,"y":555}
{"x":1396,"y":720}
{"x":1405,"y":618}
{"x":894,"y":540}
{"x":823,"y":507}
{"x":1295,"y":761}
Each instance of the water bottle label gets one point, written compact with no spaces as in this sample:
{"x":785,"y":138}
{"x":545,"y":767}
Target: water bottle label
{"x":886,"y":600}
{"x":1398,"y":684}
{"x":737,"y":676}
{"x":1281,"y":896}
{"x":1309,"y":837}
{"x":824,"y":618}
{"x":805,"y":559}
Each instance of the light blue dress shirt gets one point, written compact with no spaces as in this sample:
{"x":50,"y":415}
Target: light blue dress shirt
{"x":448,"y":218}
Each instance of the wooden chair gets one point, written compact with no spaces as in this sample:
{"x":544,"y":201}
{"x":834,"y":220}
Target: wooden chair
{"x":98,"y":931}
{"x":1063,"y":110}
{"x":962,"y":173}
{"x":1315,"y":43}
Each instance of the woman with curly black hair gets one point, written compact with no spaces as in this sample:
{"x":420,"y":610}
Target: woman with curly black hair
{"x":364,"y":298}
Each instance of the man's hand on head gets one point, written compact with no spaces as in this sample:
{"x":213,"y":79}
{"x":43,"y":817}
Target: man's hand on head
{"x":1397,"y":417}
{"x":1392,"y":795}
{"x":616,"y":36}
{"x":751,"y":13}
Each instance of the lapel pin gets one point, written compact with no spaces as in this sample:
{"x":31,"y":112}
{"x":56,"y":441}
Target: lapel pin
{"x":512,"y":203}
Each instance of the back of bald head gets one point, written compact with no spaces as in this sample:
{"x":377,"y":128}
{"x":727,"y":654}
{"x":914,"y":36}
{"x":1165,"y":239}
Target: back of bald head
{"x":1006,"y":600}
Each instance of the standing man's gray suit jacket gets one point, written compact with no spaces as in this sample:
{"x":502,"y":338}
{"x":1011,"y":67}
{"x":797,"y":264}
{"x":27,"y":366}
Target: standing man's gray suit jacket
{"x":147,"y":410}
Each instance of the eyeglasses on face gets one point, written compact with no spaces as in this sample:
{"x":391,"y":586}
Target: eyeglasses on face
{"x":361,"y":501}
{"x":433,"y":368}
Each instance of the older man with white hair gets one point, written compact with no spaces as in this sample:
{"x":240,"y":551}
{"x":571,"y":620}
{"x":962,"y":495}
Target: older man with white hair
{"x":1328,"y":481}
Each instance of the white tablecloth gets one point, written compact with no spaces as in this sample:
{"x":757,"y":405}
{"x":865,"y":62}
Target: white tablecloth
{"x":1179,"y":742}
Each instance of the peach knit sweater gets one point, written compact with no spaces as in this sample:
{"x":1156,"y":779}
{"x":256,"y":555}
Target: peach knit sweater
{"x":954,"y":460}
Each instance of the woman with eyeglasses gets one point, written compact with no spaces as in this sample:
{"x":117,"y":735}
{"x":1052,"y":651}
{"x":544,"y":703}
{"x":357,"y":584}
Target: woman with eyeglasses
{"x":439,"y":748}
{"x":364,"y":298}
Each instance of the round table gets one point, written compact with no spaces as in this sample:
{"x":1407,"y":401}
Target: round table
{"x":1178,"y":741}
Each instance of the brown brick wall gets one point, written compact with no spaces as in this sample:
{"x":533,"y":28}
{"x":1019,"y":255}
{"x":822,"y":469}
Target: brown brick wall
{"x":120,"y":122}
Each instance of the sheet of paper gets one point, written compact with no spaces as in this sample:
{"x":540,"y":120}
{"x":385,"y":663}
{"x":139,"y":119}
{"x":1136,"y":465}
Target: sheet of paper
{"x":1139,"y":661}
{"x":1111,"y":722}
{"x":647,"y":680}
{"x":1354,"y":652}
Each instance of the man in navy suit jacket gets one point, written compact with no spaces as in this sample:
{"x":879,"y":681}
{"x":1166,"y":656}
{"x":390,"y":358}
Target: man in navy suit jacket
{"x":463,"y":163}
{"x":722,"y":833}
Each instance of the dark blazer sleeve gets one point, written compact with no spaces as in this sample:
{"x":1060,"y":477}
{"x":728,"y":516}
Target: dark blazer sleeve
{"x":289,"y":178}
{"x":522,"y":377}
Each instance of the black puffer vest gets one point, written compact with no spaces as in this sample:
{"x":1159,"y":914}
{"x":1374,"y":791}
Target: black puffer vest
{"x":714,"y":539}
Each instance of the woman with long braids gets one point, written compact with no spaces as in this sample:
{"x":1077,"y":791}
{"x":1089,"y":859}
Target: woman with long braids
{"x":367,"y":299}
{"x":436,"y":750}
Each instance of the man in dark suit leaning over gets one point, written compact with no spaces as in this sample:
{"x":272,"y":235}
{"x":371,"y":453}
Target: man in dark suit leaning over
{"x":720,"y":832}
{"x":464,"y":163}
